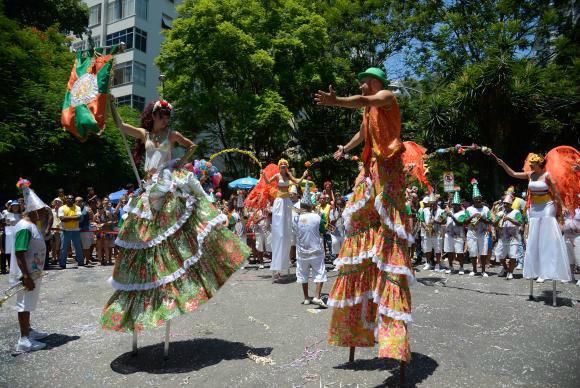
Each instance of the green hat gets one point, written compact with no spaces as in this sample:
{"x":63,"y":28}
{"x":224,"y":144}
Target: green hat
{"x":374,"y":72}
{"x":456,"y":199}
{"x":476,"y":192}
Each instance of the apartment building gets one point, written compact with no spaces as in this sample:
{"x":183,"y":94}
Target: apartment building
{"x":137,"y":23}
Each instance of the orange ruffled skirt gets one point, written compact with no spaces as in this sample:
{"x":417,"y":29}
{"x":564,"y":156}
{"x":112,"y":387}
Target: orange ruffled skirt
{"x":371,"y":299}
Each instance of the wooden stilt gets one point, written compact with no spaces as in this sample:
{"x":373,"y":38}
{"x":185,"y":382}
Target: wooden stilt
{"x":166,"y":346}
{"x":134,"y":342}
{"x":554,"y":294}
{"x":351,"y":354}
{"x":531,"y":297}
{"x":402,"y":376}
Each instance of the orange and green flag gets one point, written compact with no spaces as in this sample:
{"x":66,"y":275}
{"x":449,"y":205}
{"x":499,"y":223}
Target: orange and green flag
{"x":85,"y":102}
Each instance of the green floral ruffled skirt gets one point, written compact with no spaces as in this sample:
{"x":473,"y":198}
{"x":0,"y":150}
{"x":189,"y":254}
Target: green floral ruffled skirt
{"x":175,"y":254}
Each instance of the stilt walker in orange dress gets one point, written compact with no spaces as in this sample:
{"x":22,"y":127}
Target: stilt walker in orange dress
{"x":371,"y":299}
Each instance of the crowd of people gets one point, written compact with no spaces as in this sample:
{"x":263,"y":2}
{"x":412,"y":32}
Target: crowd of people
{"x":83,"y":228}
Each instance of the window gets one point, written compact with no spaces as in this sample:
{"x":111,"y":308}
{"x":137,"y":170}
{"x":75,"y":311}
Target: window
{"x":96,"y":41}
{"x":120,"y":9}
{"x":95,"y":15}
{"x":140,"y":39}
{"x":78,"y":46}
{"x":133,"y":37}
{"x":166,"y":22}
{"x":139,"y":73}
{"x":136,"y":102}
{"x":123,"y":73}
{"x":141,"y":8}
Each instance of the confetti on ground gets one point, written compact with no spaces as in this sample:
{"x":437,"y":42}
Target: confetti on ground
{"x":307,"y":356}
{"x":314,"y":311}
{"x":252,"y":319}
{"x":260,"y":360}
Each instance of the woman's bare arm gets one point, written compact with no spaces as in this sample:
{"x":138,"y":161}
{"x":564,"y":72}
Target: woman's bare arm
{"x":128,"y":129}
{"x":510,"y":172}
{"x":268,"y":181}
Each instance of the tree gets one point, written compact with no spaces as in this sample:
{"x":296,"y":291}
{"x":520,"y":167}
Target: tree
{"x":69,"y":15}
{"x":35,"y":69}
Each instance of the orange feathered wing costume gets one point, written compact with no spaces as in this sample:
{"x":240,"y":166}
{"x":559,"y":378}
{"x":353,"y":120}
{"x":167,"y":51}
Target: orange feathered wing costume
{"x":413,"y":161}
{"x":560,"y":164}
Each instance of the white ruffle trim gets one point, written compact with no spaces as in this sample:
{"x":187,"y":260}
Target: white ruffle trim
{"x":398,"y":229}
{"x":354,"y":260}
{"x":348,"y":212}
{"x":398,"y":269}
{"x":350,"y":302}
{"x":396,"y":315}
{"x":165,"y":235}
{"x":180,"y":272}
{"x":371,"y":295}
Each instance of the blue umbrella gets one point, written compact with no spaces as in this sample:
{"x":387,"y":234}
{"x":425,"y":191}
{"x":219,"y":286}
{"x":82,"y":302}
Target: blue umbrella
{"x":117,"y":195}
{"x":243,"y":183}
{"x":347,"y":197}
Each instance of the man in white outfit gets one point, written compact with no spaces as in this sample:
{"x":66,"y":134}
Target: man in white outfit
{"x":478,"y":219}
{"x":308,"y":228}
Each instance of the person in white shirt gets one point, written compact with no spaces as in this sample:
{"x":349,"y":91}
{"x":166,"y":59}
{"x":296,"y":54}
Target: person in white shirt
{"x":262,"y":232}
{"x":478,"y":220}
{"x":295,"y":198}
{"x":509,"y":240}
{"x":454,"y":241}
{"x":432,"y":218}
{"x":571,"y":230}
{"x":337,"y":233}
{"x":11,"y":217}
{"x":26,"y":264}
{"x":308,"y":228}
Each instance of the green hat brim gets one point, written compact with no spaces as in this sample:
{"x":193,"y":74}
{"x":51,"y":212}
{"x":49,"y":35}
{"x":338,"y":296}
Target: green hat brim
{"x":365,"y":74}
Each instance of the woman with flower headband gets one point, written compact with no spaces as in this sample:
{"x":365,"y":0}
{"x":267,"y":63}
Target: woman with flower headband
{"x":174,"y":251}
{"x":282,"y":218}
{"x":546,"y":256}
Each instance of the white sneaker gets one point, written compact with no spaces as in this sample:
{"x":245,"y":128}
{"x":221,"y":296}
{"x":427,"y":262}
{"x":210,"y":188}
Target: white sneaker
{"x":510,"y":276}
{"x":37,"y":335}
{"x":261,"y":266}
{"x":26,"y":344}
{"x":306,"y":301}
{"x":461,"y":272}
{"x":437,"y":268}
{"x":447,"y":271}
{"x":540,"y":280}
{"x":520,"y":267}
{"x":485,"y":275}
{"x":578,"y":283}
{"x":319,"y":302}
{"x":427,"y":267}
{"x":472,"y":273}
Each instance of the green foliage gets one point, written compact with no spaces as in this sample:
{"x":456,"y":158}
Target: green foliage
{"x":67,"y":15}
{"x":35,"y":69}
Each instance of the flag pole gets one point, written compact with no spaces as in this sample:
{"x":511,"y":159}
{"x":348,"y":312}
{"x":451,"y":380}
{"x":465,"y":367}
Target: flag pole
{"x":139,"y":182}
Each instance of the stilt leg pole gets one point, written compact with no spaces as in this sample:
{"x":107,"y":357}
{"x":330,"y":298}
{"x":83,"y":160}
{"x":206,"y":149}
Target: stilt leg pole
{"x":554,"y":294}
{"x":402,"y":377}
{"x":351,"y":354}
{"x":166,"y":346}
{"x":134,"y":342}
{"x":531,"y":297}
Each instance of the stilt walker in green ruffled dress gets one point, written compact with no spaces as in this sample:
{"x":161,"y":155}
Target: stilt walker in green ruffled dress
{"x":175,"y":253}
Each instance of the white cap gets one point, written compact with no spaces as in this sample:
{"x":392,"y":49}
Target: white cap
{"x":509,"y":198}
{"x":425,"y":199}
{"x":293,"y":190}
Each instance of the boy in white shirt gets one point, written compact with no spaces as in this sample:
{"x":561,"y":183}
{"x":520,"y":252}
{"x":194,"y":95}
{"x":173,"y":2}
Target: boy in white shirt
{"x":509,"y":240}
{"x":432,"y":218}
{"x":478,"y":219}
{"x":308,"y":228}
{"x":454,"y":242}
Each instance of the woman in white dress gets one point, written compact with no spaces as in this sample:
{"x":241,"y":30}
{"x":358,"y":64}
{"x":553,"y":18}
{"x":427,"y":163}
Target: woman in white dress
{"x":282,"y":218}
{"x":546,"y":256}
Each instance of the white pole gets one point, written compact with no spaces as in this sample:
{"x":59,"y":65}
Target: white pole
{"x":554,"y":296}
{"x":166,"y":346}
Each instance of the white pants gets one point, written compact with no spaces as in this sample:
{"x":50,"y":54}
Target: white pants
{"x":28,"y":300}
{"x":453,"y":244}
{"x":263,"y":242}
{"x":573,"y":247}
{"x":506,"y":249}
{"x":318,"y":270}
{"x":281,"y":234}
{"x":477,"y":245}
{"x":431,"y":243}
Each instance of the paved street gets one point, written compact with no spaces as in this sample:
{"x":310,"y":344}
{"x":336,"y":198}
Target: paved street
{"x":467,"y":332}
